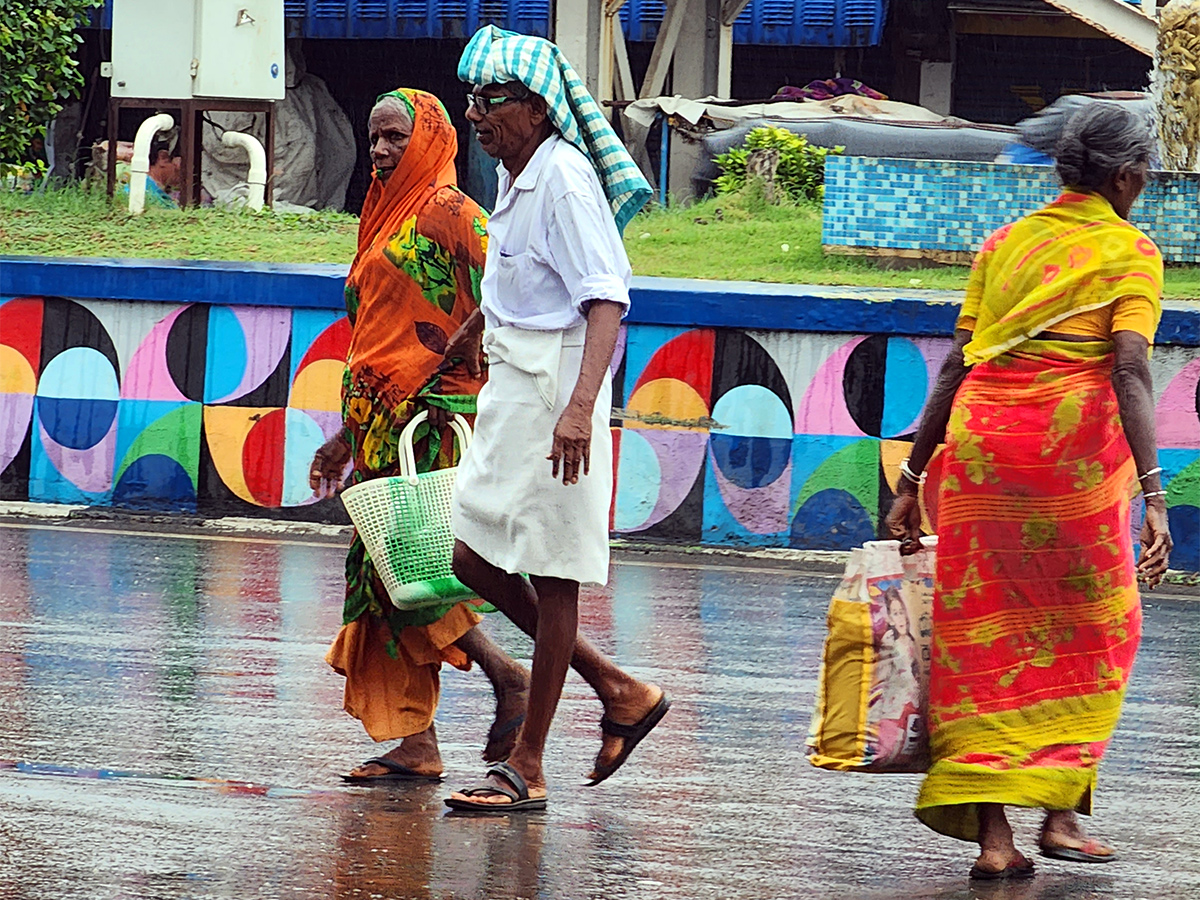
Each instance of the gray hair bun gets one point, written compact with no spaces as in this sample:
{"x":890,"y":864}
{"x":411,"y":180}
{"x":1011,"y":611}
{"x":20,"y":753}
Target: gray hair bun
{"x":1100,"y":140}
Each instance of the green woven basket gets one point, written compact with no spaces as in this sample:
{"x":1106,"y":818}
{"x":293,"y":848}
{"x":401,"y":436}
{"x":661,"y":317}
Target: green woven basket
{"x":404,"y":522}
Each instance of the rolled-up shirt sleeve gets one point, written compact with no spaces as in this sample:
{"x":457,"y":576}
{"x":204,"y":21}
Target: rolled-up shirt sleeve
{"x":587,"y":252}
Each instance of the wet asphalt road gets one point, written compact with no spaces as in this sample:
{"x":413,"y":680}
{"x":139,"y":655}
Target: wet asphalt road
{"x":168,"y":729}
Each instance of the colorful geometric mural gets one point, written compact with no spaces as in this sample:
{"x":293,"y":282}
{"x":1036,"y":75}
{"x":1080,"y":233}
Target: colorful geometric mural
{"x":722,"y":436}
{"x":795,"y":439}
{"x":207,"y":409}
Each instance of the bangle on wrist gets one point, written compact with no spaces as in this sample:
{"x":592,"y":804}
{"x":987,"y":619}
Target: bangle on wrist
{"x":908,"y":473}
{"x":1154,"y":471}
{"x":1149,"y":495}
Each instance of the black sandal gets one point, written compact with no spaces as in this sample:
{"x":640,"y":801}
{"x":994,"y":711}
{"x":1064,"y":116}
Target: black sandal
{"x":1015,"y":870}
{"x":395,"y":772}
{"x":518,"y":794}
{"x":632,"y":735}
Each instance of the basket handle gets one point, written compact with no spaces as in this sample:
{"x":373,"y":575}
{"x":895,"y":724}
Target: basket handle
{"x":408,"y":460}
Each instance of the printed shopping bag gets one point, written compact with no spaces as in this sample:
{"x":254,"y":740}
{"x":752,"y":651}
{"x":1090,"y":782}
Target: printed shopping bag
{"x":872,"y":692}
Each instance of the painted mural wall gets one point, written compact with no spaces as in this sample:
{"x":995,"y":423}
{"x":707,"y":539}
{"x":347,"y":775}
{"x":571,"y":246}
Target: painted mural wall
{"x":722,"y":436}
{"x":788,"y":439}
{"x":214,"y":410}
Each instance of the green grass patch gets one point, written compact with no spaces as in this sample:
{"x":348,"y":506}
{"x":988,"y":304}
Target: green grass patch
{"x":729,"y":238}
{"x":740,"y":238}
{"x":75,"y":222}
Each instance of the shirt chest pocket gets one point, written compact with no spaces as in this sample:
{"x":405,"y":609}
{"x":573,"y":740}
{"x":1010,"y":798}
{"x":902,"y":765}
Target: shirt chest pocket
{"x":524,"y":281}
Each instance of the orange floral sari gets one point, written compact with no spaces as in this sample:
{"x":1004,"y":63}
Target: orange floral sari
{"x":413,"y":282}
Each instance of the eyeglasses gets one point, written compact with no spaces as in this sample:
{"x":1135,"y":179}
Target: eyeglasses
{"x":487,"y":105}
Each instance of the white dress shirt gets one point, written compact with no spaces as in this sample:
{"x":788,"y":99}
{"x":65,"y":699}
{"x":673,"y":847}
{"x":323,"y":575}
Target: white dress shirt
{"x":552,"y":244}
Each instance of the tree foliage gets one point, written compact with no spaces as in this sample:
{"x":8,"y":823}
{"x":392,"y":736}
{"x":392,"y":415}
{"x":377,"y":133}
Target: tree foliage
{"x":801,"y":170}
{"x":38,"y":71}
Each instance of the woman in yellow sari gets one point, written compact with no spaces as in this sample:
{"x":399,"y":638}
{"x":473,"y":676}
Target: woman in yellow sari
{"x":412,"y":297}
{"x":1045,"y":405}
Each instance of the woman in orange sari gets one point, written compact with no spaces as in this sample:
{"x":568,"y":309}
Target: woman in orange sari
{"x":1046,"y":408}
{"x":412,"y":297}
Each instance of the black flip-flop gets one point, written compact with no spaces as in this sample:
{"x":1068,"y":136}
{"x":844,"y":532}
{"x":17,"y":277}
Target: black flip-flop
{"x":1014,"y":871}
{"x":1077,"y":854}
{"x":499,"y":732}
{"x":395,"y":772}
{"x":518,"y":793}
{"x":632,"y":735}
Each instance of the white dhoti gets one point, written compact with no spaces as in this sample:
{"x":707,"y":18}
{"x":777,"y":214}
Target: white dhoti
{"x":508,"y":507}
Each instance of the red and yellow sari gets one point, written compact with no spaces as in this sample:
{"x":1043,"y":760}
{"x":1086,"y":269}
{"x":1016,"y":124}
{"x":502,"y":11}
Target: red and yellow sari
{"x":413,"y":282}
{"x":1036,"y":610}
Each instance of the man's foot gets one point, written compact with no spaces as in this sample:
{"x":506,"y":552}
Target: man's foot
{"x":511,"y":701}
{"x":506,"y":784}
{"x":1063,"y":838}
{"x":418,"y":753}
{"x":637,"y":711}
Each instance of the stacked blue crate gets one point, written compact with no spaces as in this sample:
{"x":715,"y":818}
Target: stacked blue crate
{"x":798,"y":23}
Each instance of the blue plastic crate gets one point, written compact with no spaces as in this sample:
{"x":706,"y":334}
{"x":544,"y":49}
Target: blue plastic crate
{"x":804,"y":23}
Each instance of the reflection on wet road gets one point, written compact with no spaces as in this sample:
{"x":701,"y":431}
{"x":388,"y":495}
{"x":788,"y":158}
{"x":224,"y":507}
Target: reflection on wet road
{"x":168,"y":729}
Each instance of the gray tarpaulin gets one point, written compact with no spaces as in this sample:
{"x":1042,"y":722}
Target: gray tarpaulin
{"x":314,"y":146}
{"x":1042,"y":130}
{"x":947,"y":139}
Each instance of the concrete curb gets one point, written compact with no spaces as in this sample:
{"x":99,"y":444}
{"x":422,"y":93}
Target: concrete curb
{"x":831,"y":562}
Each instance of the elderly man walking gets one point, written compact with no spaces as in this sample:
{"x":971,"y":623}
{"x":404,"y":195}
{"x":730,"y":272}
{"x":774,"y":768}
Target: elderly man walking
{"x":533,"y":491}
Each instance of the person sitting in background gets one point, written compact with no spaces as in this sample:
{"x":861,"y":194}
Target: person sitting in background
{"x":164,"y":177}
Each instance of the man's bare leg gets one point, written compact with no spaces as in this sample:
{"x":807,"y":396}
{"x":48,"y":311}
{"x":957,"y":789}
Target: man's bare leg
{"x":510,"y":682}
{"x":625,"y":699}
{"x":553,"y":644}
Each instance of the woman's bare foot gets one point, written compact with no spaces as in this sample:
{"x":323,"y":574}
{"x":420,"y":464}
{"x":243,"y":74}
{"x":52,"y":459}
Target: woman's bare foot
{"x":628,"y":707}
{"x":997,"y":852}
{"x":418,"y":752}
{"x":1061,"y":831}
{"x":511,"y":701}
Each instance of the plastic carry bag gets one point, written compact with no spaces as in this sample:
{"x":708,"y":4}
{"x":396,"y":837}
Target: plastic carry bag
{"x":404,"y":522}
{"x":872,"y":695}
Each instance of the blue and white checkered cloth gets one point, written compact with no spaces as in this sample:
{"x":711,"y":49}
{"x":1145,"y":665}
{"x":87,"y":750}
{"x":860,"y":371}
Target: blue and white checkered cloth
{"x":495,"y":56}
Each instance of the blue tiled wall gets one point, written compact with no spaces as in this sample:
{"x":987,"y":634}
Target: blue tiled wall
{"x":918,"y":204}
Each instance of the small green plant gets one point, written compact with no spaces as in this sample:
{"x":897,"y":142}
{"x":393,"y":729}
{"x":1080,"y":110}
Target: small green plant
{"x":801,"y":171}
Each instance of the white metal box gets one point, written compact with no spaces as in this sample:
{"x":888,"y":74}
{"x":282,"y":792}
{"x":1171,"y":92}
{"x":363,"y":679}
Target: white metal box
{"x":180,"y":49}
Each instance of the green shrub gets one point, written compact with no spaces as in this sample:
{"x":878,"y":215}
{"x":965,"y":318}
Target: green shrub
{"x":801,"y":172}
{"x":37,"y":67}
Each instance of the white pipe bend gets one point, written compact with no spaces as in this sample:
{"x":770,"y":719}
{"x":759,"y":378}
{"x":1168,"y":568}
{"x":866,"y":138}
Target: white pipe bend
{"x":257,"y":179}
{"x":140,"y":166}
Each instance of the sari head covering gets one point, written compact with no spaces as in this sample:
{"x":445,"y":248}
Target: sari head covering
{"x":408,"y":289}
{"x":495,"y":56}
{"x":1074,"y":256}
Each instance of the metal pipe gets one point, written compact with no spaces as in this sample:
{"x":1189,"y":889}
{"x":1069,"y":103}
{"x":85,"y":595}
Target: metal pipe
{"x":664,"y":155}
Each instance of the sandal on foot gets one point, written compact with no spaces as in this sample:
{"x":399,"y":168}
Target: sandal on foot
{"x":518,"y":794}
{"x":1018,"y":868}
{"x":395,"y":772}
{"x":1088,"y":853}
{"x":499,"y":732}
{"x":632,"y":735}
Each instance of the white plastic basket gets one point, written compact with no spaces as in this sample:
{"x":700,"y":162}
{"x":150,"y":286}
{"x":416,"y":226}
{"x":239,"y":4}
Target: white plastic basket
{"x":404,"y":522}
